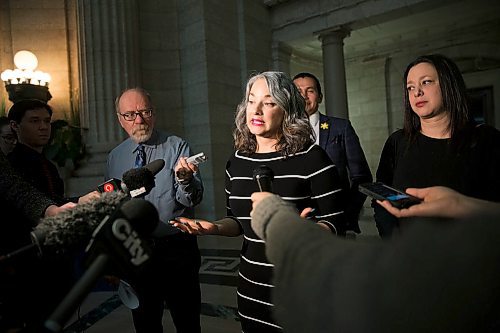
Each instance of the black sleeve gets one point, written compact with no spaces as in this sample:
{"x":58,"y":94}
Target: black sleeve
{"x":21,"y":195}
{"x":385,"y":173}
{"x":359,"y":172}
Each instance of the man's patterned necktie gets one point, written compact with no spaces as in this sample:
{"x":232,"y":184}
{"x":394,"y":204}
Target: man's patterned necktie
{"x":140,"y":159}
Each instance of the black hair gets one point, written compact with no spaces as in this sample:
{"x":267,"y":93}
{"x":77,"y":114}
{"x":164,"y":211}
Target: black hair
{"x":305,"y":74}
{"x":454,"y":95}
{"x":18,"y":109}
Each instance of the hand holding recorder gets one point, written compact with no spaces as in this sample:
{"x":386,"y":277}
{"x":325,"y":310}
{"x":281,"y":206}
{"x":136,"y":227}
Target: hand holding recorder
{"x":186,"y":167}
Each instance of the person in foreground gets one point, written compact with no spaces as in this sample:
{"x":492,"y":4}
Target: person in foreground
{"x":340,"y":141}
{"x":440,"y":144}
{"x":272,"y":128}
{"x":439,"y":276}
{"x":27,"y":206}
{"x":30,"y":119}
{"x":176,"y":256}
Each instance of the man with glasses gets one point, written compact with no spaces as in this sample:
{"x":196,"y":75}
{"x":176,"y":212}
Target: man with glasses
{"x":172,"y":275}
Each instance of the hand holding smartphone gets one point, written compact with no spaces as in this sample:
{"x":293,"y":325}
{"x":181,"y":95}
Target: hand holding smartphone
{"x":397,"y":198}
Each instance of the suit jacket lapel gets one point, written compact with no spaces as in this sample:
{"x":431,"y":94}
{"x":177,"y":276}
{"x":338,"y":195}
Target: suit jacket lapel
{"x":324,"y":134}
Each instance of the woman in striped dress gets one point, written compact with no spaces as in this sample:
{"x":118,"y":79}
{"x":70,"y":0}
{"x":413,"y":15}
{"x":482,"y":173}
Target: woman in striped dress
{"x":272,"y":129}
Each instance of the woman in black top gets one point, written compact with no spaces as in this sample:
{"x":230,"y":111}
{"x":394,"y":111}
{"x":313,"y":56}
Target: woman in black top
{"x":440,"y":144}
{"x":272,"y":129}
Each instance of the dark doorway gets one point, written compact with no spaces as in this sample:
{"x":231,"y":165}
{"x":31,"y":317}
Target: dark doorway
{"x":482,"y":108}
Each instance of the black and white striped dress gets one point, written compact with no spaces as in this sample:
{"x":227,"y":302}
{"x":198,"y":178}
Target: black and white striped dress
{"x":308,"y":179}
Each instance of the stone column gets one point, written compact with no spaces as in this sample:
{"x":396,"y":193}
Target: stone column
{"x":281,"y":54}
{"x":107,"y":39}
{"x":335,"y":88}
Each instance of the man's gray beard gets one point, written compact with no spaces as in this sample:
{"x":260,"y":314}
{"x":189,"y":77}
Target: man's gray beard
{"x":139,"y":138}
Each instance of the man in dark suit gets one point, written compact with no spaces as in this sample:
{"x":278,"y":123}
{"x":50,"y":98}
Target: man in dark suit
{"x":338,"y":138}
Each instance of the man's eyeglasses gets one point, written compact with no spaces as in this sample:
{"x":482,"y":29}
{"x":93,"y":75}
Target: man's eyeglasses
{"x":131,"y":115}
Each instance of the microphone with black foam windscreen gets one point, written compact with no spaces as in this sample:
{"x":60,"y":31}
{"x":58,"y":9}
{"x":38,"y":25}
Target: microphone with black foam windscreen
{"x":264,"y":176}
{"x":140,"y":181}
{"x":117,"y":247}
{"x":137,"y":181}
{"x":71,"y":229}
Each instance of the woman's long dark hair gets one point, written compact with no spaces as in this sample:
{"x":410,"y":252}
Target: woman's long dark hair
{"x":453,"y":92}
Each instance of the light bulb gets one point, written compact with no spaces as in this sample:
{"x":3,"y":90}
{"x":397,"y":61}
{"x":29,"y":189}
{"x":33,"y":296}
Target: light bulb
{"x":25,"y":60}
{"x":7,"y":75}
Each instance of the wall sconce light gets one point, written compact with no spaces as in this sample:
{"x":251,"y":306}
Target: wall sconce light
{"x":24,"y":82}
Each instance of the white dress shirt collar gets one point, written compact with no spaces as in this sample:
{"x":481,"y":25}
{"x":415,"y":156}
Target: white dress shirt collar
{"x":314,"y":120}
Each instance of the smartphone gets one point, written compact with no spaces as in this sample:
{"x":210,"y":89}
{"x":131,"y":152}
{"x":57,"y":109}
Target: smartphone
{"x":397,"y":198}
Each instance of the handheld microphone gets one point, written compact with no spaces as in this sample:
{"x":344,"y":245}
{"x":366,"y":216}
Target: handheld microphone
{"x":112,"y":185}
{"x":264,"y":175}
{"x":116,"y":245}
{"x":71,"y":229}
{"x":140,"y":181}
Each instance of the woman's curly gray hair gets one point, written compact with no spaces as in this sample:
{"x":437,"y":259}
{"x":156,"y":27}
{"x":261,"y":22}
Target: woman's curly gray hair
{"x":296,"y":131}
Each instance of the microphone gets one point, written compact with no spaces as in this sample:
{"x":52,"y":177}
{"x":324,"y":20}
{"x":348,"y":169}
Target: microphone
{"x":71,"y":229}
{"x":137,"y":181}
{"x":112,"y":185}
{"x":140,"y":181}
{"x":116,"y":245}
{"x":264,"y":175}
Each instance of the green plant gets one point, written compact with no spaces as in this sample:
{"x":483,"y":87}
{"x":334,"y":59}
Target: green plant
{"x":66,"y":140}
{"x":3,"y":108}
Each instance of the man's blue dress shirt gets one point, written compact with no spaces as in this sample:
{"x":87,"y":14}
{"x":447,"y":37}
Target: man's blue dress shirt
{"x":169,"y":197}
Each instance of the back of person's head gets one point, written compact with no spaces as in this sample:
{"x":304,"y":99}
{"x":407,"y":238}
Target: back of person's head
{"x":311,"y":76}
{"x":296,"y":131}
{"x":453,"y":92}
{"x":19,"y":109}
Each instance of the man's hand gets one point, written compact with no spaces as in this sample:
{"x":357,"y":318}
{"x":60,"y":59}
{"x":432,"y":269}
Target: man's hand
{"x":184,"y":171}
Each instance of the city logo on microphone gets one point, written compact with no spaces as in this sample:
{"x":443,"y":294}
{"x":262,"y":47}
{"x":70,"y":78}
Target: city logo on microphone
{"x":123,"y":231}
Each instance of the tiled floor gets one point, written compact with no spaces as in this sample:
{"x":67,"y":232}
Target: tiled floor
{"x":102,"y":312}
